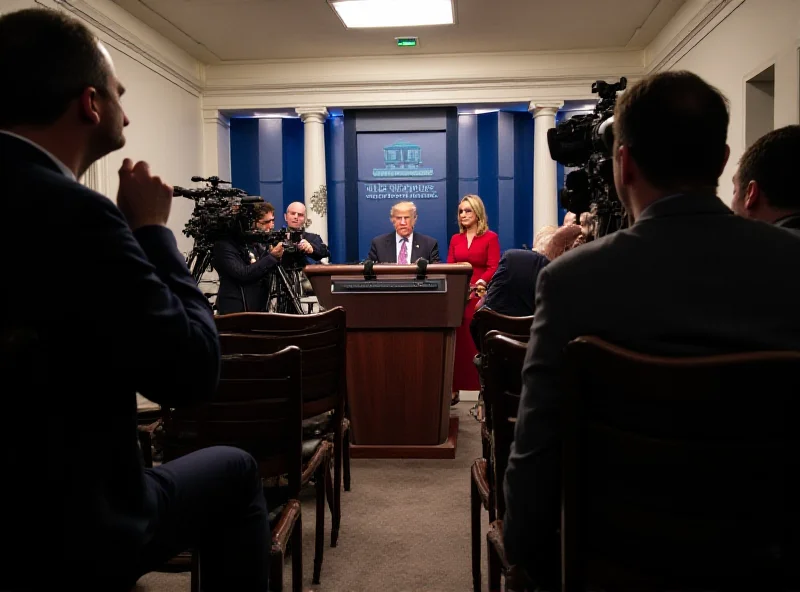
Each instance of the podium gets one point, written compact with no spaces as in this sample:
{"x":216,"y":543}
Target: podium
{"x":401,"y":329}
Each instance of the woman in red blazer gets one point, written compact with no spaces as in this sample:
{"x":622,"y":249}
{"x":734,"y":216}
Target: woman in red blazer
{"x":480,"y":247}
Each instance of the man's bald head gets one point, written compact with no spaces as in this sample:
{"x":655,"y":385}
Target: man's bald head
{"x":295,"y":215}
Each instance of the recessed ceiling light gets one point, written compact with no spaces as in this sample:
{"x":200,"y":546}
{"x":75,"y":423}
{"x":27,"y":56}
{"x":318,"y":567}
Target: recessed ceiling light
{"x":360,"y":14}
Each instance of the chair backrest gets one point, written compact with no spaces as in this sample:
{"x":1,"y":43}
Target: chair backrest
{"x":258,"y":407}
{"x":321,"y":337}
{"x":484,"y":366}
{"x":504,"y":357}
{"x":679,"y":471}
{"x":489,"y":320}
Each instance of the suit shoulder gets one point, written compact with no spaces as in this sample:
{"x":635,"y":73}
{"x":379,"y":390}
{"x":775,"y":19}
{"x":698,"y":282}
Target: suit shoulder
{"x":425,"y":237}
{"x":525,"y":255}
{"x":70,"y":198}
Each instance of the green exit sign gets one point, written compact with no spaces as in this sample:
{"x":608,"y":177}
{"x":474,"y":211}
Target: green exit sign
{"x":406,"y":41}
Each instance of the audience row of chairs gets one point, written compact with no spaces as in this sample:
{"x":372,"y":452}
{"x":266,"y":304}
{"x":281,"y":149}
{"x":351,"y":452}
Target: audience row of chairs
{"x":281,"y":397}
{"x":676,"y":472}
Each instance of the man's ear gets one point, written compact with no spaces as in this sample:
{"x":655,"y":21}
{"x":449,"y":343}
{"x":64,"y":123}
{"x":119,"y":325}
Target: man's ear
{"x":626,"y":165}
{"x":87,"y":105}
{"x":725,"y":160}
{"x":752,"y":196}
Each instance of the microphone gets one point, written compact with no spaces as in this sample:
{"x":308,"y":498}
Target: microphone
{"x":422,"y":268}
{"x":369,"y":272}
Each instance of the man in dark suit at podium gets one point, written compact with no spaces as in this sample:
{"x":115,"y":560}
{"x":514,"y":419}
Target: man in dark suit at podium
{"x":403,"y":246}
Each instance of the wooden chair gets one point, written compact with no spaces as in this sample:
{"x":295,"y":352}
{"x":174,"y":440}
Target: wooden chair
{"x":504,"y":357}
{"x":488,"y":320}
{"x":482,"y":490}
{"x":680,"y":473}
{"x":323,"y":339}
{"x":258,"y":408}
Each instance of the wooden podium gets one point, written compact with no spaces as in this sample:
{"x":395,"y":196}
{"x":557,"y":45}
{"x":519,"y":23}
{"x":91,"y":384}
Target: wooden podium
{"x":401,"y":329}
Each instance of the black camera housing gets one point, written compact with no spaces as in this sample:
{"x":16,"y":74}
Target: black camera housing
{"x":586,"y":142}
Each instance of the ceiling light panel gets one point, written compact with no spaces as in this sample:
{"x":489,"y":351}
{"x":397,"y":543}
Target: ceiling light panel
{"x":362,"y":14}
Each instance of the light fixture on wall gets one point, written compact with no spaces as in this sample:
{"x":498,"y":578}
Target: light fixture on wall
{"x":362,"y":14}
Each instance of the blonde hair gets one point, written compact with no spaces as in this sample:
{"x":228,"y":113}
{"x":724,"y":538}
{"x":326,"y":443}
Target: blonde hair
{"x":476,"y":204}
{"x":403,"y":205}
{"x":561,"y":241}
{"x":542,"y":238}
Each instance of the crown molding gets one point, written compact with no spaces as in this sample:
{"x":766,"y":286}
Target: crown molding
{"x":416,"y":80}
{"x":382,"y":81}
{"x":126,"y":41}
{"x":697,"y":24}
{"x":214,"y":117}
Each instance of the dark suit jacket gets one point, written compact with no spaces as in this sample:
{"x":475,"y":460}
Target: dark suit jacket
{"x":299,"y":259}
{"x":243,"y":286}
{"x":83,"y":329}
{"x":511,"y":290}
{"x":675,"y":283}
{"x":383,"y":249}
{"x":790,"y":222}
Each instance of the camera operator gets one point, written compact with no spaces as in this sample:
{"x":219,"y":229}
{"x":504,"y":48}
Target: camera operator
{"x":244,"y":266}
{"x":310,"y":248}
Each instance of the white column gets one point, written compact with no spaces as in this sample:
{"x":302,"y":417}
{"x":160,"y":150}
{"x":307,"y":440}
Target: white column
{"x":545,"y":185}
{"x":216,"y":145}
{"x":316,"y":190}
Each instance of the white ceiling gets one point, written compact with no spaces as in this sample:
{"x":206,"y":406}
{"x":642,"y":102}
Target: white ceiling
{"x":224,"y":30}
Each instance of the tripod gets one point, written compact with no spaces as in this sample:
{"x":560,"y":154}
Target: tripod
{"x":198,"y":261}
{"x":284,"y":287}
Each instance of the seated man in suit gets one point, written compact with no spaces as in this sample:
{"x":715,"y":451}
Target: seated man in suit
{"x":393,"y":247}
{"x":244,"y":268}
{"x":310,"y":248}
{"x":687,"y":278}
{"x":128,"y":319}
{"x":765,"y":186}
{"x":512,"y":287}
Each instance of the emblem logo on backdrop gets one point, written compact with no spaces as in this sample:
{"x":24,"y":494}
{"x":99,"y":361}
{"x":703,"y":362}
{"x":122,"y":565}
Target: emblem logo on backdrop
{"x":402,"y":160}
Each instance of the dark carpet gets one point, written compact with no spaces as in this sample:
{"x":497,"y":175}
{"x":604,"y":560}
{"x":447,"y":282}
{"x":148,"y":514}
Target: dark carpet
{"x":405,"y":527}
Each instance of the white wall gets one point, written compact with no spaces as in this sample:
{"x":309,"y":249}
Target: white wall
{"x":757,"y":34}
{"x":166,"y":121}
{"x":165,"y":130}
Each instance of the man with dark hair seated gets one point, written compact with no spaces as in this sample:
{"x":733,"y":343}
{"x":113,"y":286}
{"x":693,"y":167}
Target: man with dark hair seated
{"x":111,"y":312}
{"x":765,"y":186}
{"x":674,"y":283}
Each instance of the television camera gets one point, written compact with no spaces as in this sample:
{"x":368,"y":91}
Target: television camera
{"x":230,"y":213}
{"x":586,"y":142}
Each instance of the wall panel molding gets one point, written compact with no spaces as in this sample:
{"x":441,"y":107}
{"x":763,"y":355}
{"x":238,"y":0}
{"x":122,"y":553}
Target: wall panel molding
{"x":122,"y":38}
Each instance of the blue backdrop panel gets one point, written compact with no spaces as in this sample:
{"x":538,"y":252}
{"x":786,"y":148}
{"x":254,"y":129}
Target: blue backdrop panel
{"x":292,"y":142}
{"x":467,"y":157}
{"x":488,"y":165}
{"x":506,"y":182}
{"x":244,"y":155}
{"x":334,"y":167}
{"x":523,"y":180}
{"x":270,"y":161}
{"x":401,"y":166}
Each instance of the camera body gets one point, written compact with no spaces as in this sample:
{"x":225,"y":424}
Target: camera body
{"x":586,"y":142}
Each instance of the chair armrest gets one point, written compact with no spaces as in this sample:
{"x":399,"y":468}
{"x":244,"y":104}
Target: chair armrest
{"x":494,"y":539}
{"x":479,"y":477}
{"x":283,"y":530}
{"x":322,"y":454}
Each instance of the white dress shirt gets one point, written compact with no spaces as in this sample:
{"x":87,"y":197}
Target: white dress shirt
{"x":61,"y":166}
{"x":399,"y":244}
